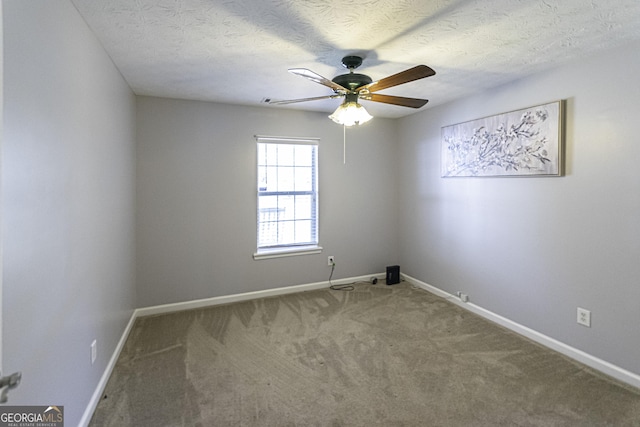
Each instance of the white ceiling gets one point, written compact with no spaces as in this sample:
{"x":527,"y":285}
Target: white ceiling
{"x":238,"y":51}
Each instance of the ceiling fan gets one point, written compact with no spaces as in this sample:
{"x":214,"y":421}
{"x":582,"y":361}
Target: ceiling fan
{"x":353,"y":86}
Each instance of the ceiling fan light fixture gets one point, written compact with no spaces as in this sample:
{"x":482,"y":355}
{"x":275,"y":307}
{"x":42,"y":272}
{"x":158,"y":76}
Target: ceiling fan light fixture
{"x":350,"y":113}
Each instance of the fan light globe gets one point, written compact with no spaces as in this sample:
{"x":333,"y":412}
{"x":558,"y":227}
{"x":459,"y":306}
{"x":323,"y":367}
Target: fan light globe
{"x":350,"y":113}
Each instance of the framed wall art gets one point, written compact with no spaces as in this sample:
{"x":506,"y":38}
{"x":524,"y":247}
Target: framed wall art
{"x":527,"y":142}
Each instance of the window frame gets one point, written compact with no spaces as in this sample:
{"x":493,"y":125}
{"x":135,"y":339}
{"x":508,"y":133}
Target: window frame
{"x":292,"y":249}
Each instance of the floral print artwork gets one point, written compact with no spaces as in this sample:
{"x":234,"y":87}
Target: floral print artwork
{"x":523,"y":142}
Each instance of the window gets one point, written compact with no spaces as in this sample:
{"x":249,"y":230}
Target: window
{"x":287,"y":196}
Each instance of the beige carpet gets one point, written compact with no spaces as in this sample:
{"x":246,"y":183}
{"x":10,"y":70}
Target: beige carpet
{"x":377,"y":356}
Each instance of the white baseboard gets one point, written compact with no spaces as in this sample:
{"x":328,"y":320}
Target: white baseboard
{"x":189,"y":305}
{"x":97,"y":394}
{"x":578,"y":355}
{"x":227,"y":299}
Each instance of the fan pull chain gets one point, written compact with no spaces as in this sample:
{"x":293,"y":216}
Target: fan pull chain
{"x":344,"y":144}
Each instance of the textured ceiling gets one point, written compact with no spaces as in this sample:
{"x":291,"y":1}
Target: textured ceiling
{"x":238,"y":51}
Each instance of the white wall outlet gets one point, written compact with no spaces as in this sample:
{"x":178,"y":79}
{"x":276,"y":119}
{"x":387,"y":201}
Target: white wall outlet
{"x":94,"y":351}
{"x":584,"y":317}
{"x":331,"y":260}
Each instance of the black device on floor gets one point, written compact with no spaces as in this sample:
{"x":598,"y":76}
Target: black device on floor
{"x":393,"y":274}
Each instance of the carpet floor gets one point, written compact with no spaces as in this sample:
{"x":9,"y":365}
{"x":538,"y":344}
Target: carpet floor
{"x":376,"y":356}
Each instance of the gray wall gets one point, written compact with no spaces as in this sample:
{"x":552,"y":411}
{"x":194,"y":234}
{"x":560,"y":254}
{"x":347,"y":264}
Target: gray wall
{"x":68,"y":204}
{"x":196,"y":224}
{"x":534,"y":249}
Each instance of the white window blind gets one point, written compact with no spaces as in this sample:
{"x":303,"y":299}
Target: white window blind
{"x":287,"y":193}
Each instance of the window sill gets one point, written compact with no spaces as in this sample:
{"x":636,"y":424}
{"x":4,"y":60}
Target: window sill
{"x":286,"y":252}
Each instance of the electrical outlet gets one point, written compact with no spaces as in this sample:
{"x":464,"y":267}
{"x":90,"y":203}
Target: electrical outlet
{"x":331,"y":260}
{"x":94,"y":351}
{"x":584,"y":317}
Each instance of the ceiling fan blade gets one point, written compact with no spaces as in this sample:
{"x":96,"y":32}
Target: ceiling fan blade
{"x":406,"y":76}
{"x":314,"y":77}
{"x":293,"y":101}
{"x":395,"y":100}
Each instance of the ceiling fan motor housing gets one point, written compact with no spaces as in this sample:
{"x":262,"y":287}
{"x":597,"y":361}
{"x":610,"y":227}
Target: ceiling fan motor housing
{"x":352,"y":81}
